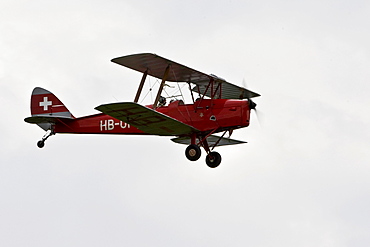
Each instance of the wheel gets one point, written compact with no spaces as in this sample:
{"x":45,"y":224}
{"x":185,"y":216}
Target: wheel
{"x":213,"y":159}
{"x":193,"y":152}
{"x":40,"y":144}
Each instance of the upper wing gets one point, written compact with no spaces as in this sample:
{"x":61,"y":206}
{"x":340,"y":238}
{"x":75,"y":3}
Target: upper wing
{"x":212,"y":139}
{"x":229,"y":91}
{"x":146,"y":119}
{"x":156,"y":66}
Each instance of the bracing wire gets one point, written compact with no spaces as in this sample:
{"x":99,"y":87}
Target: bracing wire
{"x":149,"y":91}
{"x":182,"y":96}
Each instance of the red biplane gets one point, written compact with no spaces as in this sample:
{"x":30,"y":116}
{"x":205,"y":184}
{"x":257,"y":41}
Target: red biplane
{"x":217,"y":107}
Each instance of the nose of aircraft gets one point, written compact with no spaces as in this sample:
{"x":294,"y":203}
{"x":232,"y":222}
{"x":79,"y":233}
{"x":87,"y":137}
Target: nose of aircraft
{"x":252,"y":105}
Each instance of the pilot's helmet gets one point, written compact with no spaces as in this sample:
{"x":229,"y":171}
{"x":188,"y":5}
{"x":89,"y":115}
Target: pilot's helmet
{"x":162,"y":100}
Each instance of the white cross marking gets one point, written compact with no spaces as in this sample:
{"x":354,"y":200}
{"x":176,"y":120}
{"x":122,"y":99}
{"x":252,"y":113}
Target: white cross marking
{"x":46,"y":103}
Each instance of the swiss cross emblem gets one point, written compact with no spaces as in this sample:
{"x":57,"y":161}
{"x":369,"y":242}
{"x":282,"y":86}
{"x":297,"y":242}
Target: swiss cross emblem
{"x":45,"y":103}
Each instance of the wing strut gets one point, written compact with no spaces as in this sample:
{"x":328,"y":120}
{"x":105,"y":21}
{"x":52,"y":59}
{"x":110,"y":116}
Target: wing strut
{"x":191,"y":92}
{"x":141,"y":86}
{"x":161,"y":87}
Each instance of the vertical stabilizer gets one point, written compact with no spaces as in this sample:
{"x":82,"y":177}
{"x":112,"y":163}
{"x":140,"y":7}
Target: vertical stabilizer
{"x":46,"y":104}
{"x":46,"y":108}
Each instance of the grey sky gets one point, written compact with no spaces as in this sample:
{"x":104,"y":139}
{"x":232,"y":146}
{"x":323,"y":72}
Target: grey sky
{"x":302,"y":179}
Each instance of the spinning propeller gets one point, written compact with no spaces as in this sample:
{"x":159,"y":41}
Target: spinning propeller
{"x":252,"y":104}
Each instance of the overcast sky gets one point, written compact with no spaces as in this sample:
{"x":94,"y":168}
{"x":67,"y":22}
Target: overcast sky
{"x":302,"y":179}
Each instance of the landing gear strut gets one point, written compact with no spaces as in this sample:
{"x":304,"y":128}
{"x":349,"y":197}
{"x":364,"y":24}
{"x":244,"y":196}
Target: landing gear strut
{"x":48,"y":133}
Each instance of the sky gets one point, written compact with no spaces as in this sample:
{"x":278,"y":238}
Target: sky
{"x":301,"y":180}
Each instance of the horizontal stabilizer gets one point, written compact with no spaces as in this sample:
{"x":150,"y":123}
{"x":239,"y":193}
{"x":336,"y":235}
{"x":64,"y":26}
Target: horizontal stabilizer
{"x":146,"y":119}
{"x":211,"y":140}
{"x":42,"y":119}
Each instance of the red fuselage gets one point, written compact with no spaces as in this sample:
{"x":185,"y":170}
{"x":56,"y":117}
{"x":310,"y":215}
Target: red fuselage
{"x":205,"y":115}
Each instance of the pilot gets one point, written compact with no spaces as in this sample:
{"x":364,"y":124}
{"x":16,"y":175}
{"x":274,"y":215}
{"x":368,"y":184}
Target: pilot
{"x":162,"y":101}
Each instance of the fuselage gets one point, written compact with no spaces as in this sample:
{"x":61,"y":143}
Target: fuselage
{"x":206,"y":115}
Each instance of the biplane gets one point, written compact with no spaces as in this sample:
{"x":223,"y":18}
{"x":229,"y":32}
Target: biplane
{"x":216,"y":106}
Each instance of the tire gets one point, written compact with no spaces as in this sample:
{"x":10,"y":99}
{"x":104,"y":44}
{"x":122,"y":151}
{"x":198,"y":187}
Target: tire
{"x":40,"y":144}
{"x":213,"y":159}
{"x":193,"y":152}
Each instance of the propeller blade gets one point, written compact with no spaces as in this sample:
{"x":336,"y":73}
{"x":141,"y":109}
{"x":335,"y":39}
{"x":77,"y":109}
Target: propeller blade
{"x":259,"y":116}
{"x":253,"y":105}
{"x":244,"y":83}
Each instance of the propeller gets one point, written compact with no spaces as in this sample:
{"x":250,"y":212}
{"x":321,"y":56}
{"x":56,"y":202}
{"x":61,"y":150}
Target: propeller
{"x":252,"y":104}
{"x":258,"y":113}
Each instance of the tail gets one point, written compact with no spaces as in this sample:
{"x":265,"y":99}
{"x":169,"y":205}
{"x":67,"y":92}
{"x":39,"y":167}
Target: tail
{"x":46,"y":109}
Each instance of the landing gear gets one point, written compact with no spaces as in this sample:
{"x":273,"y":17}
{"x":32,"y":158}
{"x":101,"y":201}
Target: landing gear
{"x":48,"y":133}
{"x":213,"y":159}
{"x":193,"y":152}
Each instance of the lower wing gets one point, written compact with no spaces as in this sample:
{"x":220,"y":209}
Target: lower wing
{"x":212,"y":140}
{"x":146,"y":119}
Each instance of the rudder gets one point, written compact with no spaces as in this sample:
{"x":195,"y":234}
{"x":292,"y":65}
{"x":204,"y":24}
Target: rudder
{"x":46,"y":104}
{"x":46,"y":108}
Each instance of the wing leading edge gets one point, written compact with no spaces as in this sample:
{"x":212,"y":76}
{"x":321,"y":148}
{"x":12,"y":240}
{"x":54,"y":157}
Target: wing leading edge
{"x":146,"y":119}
